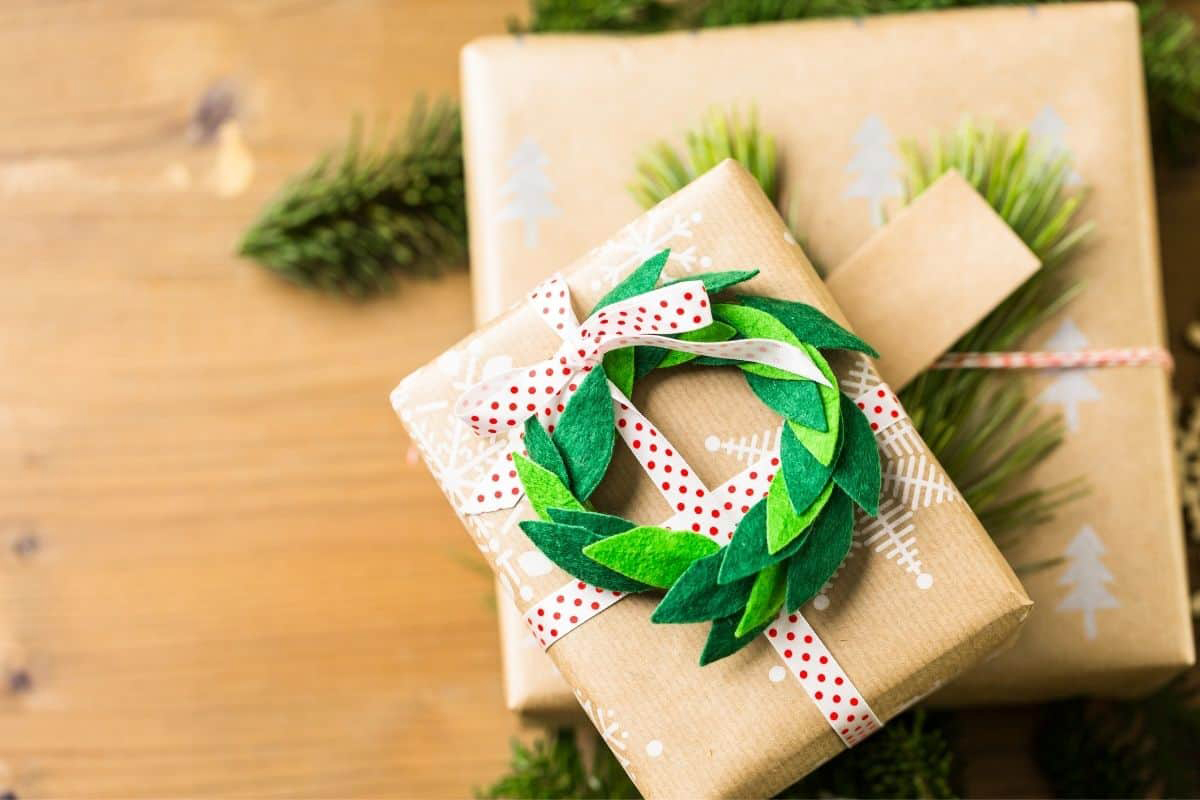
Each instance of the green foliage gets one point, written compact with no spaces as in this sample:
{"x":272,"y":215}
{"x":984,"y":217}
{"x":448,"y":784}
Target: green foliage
{"x":553,"y":768}
{"x":1170,"y":48}
{"x":351,"y":221}
{"x":1091,"y":748}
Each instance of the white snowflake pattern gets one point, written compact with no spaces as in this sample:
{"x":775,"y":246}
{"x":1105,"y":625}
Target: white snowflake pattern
{"x":892,"y":533}
{"x":610,"y":730}
{"x":916,"y":481}
{"x":747,"y":449}
{"x":648,"y":236}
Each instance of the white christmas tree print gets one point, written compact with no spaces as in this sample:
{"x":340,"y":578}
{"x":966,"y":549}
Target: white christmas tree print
{"x":1088,"y":575}
{"x":1049,"y":131}
{"x":876,"y":167}
{"x":529,"y":190}
{"x":916,"y":481}
{"x":1071,"y":387}
{"x":647,"y":237}
{"x":749,"y":449}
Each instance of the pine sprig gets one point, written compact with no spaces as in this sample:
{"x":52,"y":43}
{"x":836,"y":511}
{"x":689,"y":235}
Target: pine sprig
{"x":553,"y":768}
{"x":595,"y":15}
{"x":353,"y":220}
{"x":1171,"y":56}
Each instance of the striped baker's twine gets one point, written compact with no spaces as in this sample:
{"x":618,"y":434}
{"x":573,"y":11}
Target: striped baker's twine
{"x":1114,"y":357}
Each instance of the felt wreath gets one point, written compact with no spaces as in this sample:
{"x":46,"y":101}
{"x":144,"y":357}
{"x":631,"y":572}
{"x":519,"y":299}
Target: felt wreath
{"x":786,"y":546}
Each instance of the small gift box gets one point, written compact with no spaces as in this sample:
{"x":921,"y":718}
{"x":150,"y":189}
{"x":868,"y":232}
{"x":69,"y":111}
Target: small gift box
{"x":548,"y":177}
{"x":775,"y":645}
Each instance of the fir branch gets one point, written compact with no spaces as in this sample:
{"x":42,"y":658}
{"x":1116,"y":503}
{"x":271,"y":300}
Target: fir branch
{"x":1089,"y":748}
{"x":595,"y":15}
{"x":1171,"y":55}
{"x":350,"y":222}
{"x":553,"y":769}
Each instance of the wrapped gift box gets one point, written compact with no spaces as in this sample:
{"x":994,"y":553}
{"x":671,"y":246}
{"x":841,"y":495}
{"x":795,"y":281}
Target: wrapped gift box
{"x":750,"y":724}
{"x":553,"y":126}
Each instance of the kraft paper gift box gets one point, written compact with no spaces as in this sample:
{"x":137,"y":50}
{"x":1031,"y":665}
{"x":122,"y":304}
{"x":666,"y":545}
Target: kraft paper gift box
{"x":553,"y":125}
{"x":750,"y":724}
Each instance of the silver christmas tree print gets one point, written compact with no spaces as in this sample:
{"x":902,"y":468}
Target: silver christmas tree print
{"x":1071,"y":387}
{"x":875,"y":167}
{"x":1049,"y":132}
{"x":528,"y":189}
{"x":1087,"y":575}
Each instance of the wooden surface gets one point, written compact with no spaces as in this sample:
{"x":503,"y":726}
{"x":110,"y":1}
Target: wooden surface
{"x":221,"y":574}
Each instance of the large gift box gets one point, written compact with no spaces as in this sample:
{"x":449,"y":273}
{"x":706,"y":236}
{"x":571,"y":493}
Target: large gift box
{"x":805,"y":685}
{"x":553,"y":128}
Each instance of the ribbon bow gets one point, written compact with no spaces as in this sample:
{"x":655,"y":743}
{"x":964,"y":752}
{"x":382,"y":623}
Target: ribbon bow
{"x":503,"y":402}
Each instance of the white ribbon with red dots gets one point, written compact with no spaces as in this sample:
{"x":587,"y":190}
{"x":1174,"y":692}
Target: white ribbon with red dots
{"x":715,"y":513}
{"x":503,"y":402}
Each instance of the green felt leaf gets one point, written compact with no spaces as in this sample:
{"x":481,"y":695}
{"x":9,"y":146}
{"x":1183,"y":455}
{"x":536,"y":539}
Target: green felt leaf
{"x":747,"y":553}
{"x":752,"y":323}
{"x":716,"y":332}
{"x":809,"y":325}
{"x":784,"y":521}
{"x":823,"y":550}
{"x":799,"y":401}
{"x":697,"y":597}
{"x":543,"y":487}
{"x":599,"y":524}
{"x":542,"y":450}
{"x":804,"y":474}
{"x":718,"y":281}
{"x":646,"y":360}
{"x":766,"y":598}
{"x":563,"y":544}
{"x":585,"y":434}
{"x":823,"y":444}
{"x":650,"y":554}
{"x":619,"y":367}
{"x":641,"y":280}
{"x":857,"y":470}
{"x":723,"y":640}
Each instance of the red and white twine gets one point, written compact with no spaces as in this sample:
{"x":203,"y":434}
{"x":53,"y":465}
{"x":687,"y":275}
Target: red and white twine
{"x":1051,"y":359}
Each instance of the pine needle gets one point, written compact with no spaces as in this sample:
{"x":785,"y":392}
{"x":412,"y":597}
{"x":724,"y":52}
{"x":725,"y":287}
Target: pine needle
{"x":553,"y":768}
{"x":353,"y":220}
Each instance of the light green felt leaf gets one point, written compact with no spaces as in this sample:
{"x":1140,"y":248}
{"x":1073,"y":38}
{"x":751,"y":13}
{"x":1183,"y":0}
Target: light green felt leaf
{"x":641,"y":280}
{"x":784,"y":522}
{"x":585,"y":434}
{"x":823,"y":551}
{"x":723,"y":640}
{"x":650,"y":554}
{"x":857,"y":470}
{"x":799,"y":401}
{"x":697,"y":597}
{"x":809,"y":325}
{"x":619,"y":367}
{"x":823,"y":444}
{"x":563,"y":544}
{"x":752,"y":323}
{"x":717,"y":281}
{"x":747,"y":553}
{"x":716,"y":332}
{"x":766,"y":598}
{"x":597,"y":523}
{"x":542,"y":450}
{"x":543,"y":488}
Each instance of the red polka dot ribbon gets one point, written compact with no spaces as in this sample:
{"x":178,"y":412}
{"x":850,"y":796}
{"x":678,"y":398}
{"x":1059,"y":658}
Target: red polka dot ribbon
{"x":1069,"y":359}
{"x":503,"y":402}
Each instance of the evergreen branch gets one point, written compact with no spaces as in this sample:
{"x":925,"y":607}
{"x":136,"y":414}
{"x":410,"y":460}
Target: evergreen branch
{"x":1171,"y":55}
{"x":350,"y":222}
{"x":553,"y":769}
{"x":595,"y":15}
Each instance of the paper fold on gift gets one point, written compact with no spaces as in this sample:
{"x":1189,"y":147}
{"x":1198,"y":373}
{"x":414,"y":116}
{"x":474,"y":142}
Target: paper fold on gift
{"x":936,"y":599}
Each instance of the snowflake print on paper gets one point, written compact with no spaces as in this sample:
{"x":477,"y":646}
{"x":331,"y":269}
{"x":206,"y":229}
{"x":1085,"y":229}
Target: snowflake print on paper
{"x":893,"y":534}
{"x":528,"y":189}
{"x":610,"y":730}
{"x":1087,"y":575}
{"x":747,"y":449}
{"x":917,"y":482}
{"x":646,"y":237}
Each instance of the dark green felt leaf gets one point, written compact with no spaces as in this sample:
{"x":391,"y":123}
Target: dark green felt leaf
{"x":543,"y":488}
{"x":650,"y":554}
{"x":810,"y":325}
{"x":599,"y":524}
{"x":646,"y":360}
{"x":805,"y":475}
{"x":619,"y":367}
{"x":799,"y":401}
{"x":766,"y":598}
{"x":585,"y":434}
{"x":857,"y":470}
{"x":640,"y":281}
{"x":697,"y":597}
{"x":716,"y":332}
{"x":747,"y":553}
{"x":784,"y":522}
{"x":823,"y":551}
{"x":823,"y":444}
{"x":563,"y":544}
{"x":718,"y":281}
{"x":723,"y":640}
{"x":542,"y":450}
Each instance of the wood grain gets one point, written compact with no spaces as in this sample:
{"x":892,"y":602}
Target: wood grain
{"x":221,"y":575}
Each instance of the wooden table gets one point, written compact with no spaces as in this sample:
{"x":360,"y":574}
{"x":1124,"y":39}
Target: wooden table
{"x":222,"y":575}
